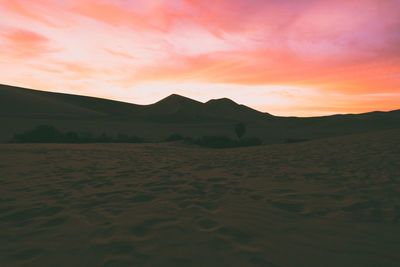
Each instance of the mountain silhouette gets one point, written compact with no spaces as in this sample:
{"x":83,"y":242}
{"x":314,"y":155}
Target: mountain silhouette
{"x":22,"y":108}
{"x":173,"y":108}
{"x":39,"y":104}
{"x":227,"y":108}
{"x":16,"y":101}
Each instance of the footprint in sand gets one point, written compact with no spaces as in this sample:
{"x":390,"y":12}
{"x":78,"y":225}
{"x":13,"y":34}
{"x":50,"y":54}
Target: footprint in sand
{"x":203,"y":205}
{"x":260,"y":261}
{"x":55,"y":222}
{"x":236,"y":234}
{"x":31,"y":213}
{"x":117,"y":249}
{"x":142,"y":198}
{"x":181,"y":262}
{"x":207,"y":224}
{"x":217,"y":179}
{"x":105,"y":231}
{"x":241,"y":190}
{"x":27,"y":254}
{"x":257,"y":197}
{"x":146,"y":227}
{"x":288,"y":206}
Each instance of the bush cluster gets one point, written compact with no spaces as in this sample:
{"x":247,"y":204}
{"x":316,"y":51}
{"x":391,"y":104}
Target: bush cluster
{"x":50,"y":134}
{"x":174,"y":137}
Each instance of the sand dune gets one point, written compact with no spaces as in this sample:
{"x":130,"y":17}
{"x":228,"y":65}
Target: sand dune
{"x":331,"y":202}
{"x":23,"y":109}
{"x":36,"y":104}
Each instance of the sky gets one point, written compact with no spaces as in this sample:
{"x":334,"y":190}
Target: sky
{"x":284,"y":57}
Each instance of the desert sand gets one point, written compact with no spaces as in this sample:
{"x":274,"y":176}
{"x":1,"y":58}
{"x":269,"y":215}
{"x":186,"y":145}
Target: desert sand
{"x":327,"y":202}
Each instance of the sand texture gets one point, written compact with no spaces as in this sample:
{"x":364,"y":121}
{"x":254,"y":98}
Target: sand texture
{"x":329,"y":202}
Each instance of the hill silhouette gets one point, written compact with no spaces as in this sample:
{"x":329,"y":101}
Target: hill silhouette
{"x":24,"y":102}
{"x":174,"y":108}
{"x":22,"y":109}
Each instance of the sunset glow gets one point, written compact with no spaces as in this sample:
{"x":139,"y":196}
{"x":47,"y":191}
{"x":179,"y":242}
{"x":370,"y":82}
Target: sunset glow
{"x":291,"y":57}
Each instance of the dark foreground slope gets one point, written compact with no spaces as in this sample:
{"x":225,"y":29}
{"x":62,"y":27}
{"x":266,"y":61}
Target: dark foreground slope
{"x":331,"y":202}
{"x":22,"y":109}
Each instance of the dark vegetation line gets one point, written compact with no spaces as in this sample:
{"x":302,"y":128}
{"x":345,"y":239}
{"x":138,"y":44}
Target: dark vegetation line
{"x":50,"y":134}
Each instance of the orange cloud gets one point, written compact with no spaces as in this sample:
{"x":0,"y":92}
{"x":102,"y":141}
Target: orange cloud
{"x":20,"y":43}
{"x":277,"y":67}
{"x":148,"y":15}
{"x":41,"y":11}
{"x":346,"y":48}
{"x":118,"y":53}
{"x":17,"y":7}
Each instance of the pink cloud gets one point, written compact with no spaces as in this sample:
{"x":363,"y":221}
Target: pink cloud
{"x":42,"y":11}
{"x":345,"y":46}
{"x":118,"y":53}
{"x":20,"y":43}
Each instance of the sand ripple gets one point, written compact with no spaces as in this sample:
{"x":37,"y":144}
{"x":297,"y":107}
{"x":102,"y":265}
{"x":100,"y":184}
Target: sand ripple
{"x":332,"y":202}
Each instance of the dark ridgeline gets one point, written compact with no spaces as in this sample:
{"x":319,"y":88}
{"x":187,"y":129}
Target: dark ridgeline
{"x":216,"y":123}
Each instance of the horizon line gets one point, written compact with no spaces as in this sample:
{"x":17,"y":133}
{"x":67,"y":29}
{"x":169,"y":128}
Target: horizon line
{"x":132,"y":103}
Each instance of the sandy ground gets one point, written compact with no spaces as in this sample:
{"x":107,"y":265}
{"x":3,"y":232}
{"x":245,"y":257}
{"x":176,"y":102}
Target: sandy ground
{"x":332,"y":202}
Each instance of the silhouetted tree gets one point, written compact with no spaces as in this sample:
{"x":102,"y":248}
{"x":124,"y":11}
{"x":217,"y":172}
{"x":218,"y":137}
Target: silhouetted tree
{"x":240,"y":129}
{"x":174,"y":137}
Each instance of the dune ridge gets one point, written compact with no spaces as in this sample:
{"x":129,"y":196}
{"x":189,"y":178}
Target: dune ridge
{"x":23,"y":109}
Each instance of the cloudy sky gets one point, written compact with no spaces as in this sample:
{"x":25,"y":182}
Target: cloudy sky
{"x":285,"y":57}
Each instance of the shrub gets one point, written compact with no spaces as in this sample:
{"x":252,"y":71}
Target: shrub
{"x":50,"y":134}
{"x":40,"y":134}
{"x":174,"y":137}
